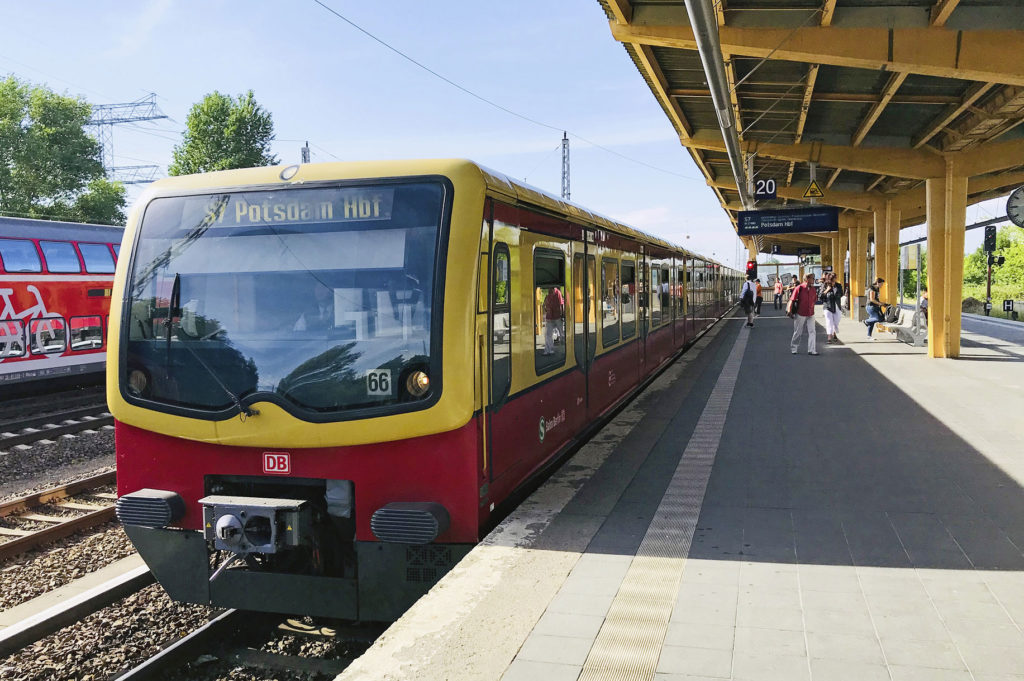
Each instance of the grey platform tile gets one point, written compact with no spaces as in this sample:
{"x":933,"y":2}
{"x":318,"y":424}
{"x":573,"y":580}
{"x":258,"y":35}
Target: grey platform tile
{"x":527,"y":670}
{"x":852,"y":620}
{"x":845,"y":670}
{"x":770,"y":597}
{"x":580,"y":604}
{"x":985,"y":608}
{"x":684,"y":677}
{"x":693,"y":635}
{"x":770,"y":618}
{"x":917,"y":627}
{"x":725,"y":593}
{"x":754,"y":641}
{"x":715,"y":571}
{"x":999,"y":677}
{"x":887,"y":604}
{"x":934,"y":654}
{"x":724,"y":615}
{"x":829,"y":645}
{"x":953,"y":587}
{"x":598,"y":565}
{"x":695,"y":661}
{"x":770,"y":668}
{"x":985,"y":633}
{"x":556,"y":649}
{"x":837,"y":600}
{"x":571,"y":625}
{"x":891,"y":584}
{"x":598,"y":586}
{"x":829,"y":578}
{"x":901,"y":673}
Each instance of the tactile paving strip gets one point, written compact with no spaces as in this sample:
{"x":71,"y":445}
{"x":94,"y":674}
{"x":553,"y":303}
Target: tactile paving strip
{"x":630,"y":640}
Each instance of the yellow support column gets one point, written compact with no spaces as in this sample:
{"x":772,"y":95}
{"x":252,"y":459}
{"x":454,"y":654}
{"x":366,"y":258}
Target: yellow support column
{"x":881,"y":250}
{"x":844,"y":246}
{"x":947,"y":217}
{"x":751,"y":249}
{"x":858,"y":269}
{"x":892,"y":261}
{"x":838,"y":256}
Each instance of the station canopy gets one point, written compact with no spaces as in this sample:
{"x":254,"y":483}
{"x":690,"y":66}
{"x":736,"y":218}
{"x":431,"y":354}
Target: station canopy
{"x":879,"y":94}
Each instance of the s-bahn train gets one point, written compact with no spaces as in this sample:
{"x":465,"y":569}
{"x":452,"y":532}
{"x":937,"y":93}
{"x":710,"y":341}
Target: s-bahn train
{"x":329,"y":380}
{"x":55,"y":283}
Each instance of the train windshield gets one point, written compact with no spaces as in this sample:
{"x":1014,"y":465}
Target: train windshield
{"x":323,"y":300}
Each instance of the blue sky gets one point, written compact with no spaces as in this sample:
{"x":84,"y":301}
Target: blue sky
{"x":352,"y":99}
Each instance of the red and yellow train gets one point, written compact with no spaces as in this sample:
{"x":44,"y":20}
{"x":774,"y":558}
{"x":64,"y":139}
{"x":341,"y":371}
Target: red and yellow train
{"x":55,"y":283}
{"x":327,"y":379}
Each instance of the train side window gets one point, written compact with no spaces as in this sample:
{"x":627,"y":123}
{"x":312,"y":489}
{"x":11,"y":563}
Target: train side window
{"x":665,"y":295}
{"x":628,"y":298}
{"x":12,"y":338}
{"x":86,"y":333}
{"x":117,"y":250}
{"x":655,"y":297}
{"x":609,"y":302}
{"x":60,"y":256}
{"x":549,"y":297}
{"x":19,"y":255}
{"x":97,"y":258}
{"x":501,"y":324}
{"x":47,"y":335}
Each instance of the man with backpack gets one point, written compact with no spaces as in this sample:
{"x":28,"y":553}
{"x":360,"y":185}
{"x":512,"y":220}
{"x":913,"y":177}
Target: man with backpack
{"x":801,"y":310}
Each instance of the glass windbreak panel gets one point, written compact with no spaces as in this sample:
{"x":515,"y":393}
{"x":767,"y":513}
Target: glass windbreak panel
{"x":86,"y":332}
{"x":609,"y":302}
{"x":655,"y":296}
{"x":60,"y":256}
{"x":47,"y":335}
{"x":12,"y":338}
{"x":549,"y":294}
{"x":628,"y":299}
{"x":320,"y":299}
{"x":19,"y":255}
{"x":501,"y":372}
{"x":97,"y":258}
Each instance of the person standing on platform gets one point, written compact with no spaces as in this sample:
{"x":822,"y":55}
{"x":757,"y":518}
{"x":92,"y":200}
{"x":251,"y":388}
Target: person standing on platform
{"x":874,"y":307}
{"x":747,"y":297}
{"x":831,"y":301}
{"x":801,"y":309}
{"x":778,"y":293}
{"x":758,"y":299}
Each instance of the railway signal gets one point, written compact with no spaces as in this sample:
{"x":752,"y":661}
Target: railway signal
{"x":752,"y":269}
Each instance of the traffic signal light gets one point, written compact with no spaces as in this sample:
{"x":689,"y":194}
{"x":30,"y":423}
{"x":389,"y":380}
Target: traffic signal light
{"x":752,"y":268}
{"x":990,"y":238}
{"x":996,"y":259}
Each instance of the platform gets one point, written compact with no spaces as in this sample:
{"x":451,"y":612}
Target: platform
{"x":763,"y":516}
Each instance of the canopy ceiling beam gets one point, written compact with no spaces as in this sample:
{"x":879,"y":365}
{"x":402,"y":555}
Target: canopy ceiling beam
{"x":990,"y":56}
{"x":941,"y":10}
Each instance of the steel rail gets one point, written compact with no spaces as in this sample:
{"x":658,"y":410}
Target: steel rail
{"x":57,"y":431}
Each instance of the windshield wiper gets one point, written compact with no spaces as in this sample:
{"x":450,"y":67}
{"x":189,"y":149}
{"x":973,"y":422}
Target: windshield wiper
{"x":248,"y":411}
{"x":172,"y":304}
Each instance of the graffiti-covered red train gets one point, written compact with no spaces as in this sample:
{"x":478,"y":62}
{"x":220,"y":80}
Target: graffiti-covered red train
{"x":55,"y":283}
{"x":328,"y":379}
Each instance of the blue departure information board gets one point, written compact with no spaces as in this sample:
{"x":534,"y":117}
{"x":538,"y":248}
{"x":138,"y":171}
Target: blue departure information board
{"x":817,"y":219}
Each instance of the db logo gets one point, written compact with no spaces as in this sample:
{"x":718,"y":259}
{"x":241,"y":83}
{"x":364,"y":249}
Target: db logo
{"x":277,"y":463}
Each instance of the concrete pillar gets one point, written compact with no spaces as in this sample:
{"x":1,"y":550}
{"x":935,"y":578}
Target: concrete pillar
{"x":858,"y":270}
{"x":947,"y":217}
{"x":840,"y":258}
{"x":881,"y":250}
{"x":838,"y":254}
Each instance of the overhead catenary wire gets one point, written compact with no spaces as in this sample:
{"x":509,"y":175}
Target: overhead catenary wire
{"x":558,"y":128}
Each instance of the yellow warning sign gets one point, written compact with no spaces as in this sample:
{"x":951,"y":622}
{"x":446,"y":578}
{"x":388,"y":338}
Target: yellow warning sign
{"x":813,"y":191}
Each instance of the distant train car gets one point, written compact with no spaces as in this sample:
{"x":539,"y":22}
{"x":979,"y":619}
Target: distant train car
{"x":55,"y":283}
{"x":328,"y":379}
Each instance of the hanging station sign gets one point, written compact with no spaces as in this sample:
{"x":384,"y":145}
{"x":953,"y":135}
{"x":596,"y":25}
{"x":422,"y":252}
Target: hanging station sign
{"x":818,"y":219}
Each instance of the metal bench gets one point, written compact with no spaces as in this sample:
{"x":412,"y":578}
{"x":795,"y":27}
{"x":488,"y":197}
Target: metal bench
{"x":910,"y":327}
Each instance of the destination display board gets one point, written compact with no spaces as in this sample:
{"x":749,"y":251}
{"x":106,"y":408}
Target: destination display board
{"x":817,"y":219}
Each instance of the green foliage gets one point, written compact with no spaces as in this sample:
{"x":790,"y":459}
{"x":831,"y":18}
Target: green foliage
{"x":910,"y":276}
{"x":1007,"y":279}
{"x":224,"y":133}
{"x":49,"y":166}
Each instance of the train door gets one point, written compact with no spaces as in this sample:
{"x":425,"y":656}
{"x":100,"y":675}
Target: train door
{"x":642,"y":287}
{"x":584,"y":311}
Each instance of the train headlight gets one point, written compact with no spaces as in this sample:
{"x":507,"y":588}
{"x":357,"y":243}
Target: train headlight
{"x":137,"y":381}
{"x":417,"y":384}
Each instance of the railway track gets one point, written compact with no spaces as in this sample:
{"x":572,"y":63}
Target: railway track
{"x":12,"y":409}
{"x":49,"y":528}
{"x":238,"y":638}
{"x":25,"y":430}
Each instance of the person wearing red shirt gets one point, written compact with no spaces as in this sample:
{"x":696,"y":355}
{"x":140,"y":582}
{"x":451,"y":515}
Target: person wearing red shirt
{"x":554,"y":309}
{"x":801,"y":309}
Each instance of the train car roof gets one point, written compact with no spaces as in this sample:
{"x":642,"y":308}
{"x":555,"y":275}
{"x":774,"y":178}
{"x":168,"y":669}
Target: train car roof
{"x":498,"y":183}
{"x":25,"y":228}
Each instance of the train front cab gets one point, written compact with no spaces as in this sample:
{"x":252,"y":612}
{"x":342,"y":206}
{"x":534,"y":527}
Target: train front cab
{"x":337,"y":466}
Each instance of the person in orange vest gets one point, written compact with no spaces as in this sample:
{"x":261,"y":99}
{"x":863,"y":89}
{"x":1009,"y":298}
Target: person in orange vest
{"x":759,"y":299}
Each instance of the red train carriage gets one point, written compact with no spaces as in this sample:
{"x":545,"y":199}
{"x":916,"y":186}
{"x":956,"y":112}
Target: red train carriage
{"x":328,"y":379}
{"x":55,"y":283}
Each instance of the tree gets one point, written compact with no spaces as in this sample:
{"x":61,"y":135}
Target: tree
{"x":1010,"y":244}
{"x":224,"y":133}
{"x":49,"y":166}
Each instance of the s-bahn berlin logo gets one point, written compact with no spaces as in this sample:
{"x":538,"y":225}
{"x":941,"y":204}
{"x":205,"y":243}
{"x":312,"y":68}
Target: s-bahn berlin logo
{"x":545,"y":425}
